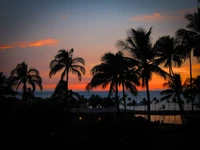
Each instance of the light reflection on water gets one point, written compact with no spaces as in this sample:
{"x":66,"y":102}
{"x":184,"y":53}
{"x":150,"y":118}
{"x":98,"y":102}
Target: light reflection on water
{"x":174,"y":119}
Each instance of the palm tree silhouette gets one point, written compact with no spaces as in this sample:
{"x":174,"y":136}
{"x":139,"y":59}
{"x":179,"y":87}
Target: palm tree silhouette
{"x":194,"y":21}
{"x":139,"y":45}
{"x":195,"y":90}
{"x":64,"y":61}
{"x":174,"y":91}
{"x":169,"y":53}
{"x":5,"y":86}
{"x":190,"y":39}
{"x":25,"y":76}
{"x":156,"y":101}
{"x":196,"y":87}
{"x":187,"y":39}
{"x":115,"y":70}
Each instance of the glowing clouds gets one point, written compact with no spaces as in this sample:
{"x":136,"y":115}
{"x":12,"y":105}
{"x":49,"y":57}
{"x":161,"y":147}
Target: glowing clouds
{"x":2,"y":47}
{"x":153,"y":17}
{"x":46,"y":42}
{"x":163,"y":16}
{"x":39,"y":43}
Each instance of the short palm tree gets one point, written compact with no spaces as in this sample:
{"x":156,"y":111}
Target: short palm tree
{"x":195,"y":90}
{"x":25,"y":76}
{"x":65,"y":62}
{"x":196,"y":85}
{"x":61,"y":94}
{"x":5,"y":88}
{"x":114,"y":70}
{"x":139,"y":45}
{"x":175,"y":88}
{"x":156,"y":101}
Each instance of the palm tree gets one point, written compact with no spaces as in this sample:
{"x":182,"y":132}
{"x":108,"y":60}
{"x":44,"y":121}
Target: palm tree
{"x":169,"y":53}
{"x":191,"y":40}
{"x":194,"y":26}
{"x":196,"y":85}
{"x":64,"y":61}
{"x":144,"y":102}
{"x":187,"y":39}
{"x":61,"y":94}
{"x":194,"y":21}
{"x":195,"y":90}
{"x":139,"y":45}
{"x":174,"y":92}
{"x":95,"y":101}
{"x":5,"y":87}
{"x":156,"y":101}
{"x":25,"y":76}
{"x":115,"y":70}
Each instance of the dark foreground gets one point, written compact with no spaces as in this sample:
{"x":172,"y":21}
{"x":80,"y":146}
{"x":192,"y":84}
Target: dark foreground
{"x":36,"y":125}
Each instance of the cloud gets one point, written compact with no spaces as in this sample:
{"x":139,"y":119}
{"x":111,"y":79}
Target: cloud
{"x":163,"y":16}
{"x":39,"y":43}
{"x":2,"y":47}
{"x":50,"y":42}
{"x":65,"y":16}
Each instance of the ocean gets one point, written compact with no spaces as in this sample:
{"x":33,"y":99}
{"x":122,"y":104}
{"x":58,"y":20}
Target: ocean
{"x":141,"y":94}
{"x":138,"y":99}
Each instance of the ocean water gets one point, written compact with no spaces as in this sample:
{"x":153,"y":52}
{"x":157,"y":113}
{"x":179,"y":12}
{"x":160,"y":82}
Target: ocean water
{"x":138,"y":99}
{"x":141,"y":94}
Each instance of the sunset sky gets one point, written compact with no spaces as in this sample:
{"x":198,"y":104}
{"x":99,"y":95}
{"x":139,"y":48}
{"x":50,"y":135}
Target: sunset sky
{"x":34,"y":30}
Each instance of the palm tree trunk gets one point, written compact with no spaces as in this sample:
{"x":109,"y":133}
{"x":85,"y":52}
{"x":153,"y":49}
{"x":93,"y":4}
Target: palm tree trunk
{"x":181,"y":108}
{"x":191,"y":95}
{"x":110,"y":91}
{"x":67,"y":79}
{"x":116,"y":98}
{"x":148,"y":101}
{"x":24,"y":96}
{"x":124,"y":97}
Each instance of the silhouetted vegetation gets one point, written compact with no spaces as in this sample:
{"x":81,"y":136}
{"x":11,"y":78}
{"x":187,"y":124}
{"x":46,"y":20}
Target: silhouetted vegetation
{"x":35,"y":120}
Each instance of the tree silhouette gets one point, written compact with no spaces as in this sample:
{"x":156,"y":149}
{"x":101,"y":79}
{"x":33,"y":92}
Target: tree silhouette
{"x":25,"y":76}
{"x":5,"y":86}
{"x":196,"y":87}
{"x":64,"y":96}
{"x":115,"y":70}
{"x":190,"y":39}
{"x":64,"y":61}
{"x":174,"y":91}
{"x":139,"y":45}
{"x":169,"y":53}
{"x":194,"y":21}
{"x":156,"y":101}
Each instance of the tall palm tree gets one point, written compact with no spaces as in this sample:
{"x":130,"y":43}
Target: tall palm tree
{"x":64,"y":61}
{"x":194,"y":26}
{"x":187,"y":39}
{"x":114,"y":70}
{"x":191,"y":40}
{"x":139,"y":45}
{"x":194,"y":21}
{"x":169,"y":53}
{"x":25,"y":76}
{"x":175,"y":89}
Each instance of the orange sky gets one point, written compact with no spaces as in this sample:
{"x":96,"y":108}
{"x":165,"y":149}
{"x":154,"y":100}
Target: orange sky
{"x":34,"y":32}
